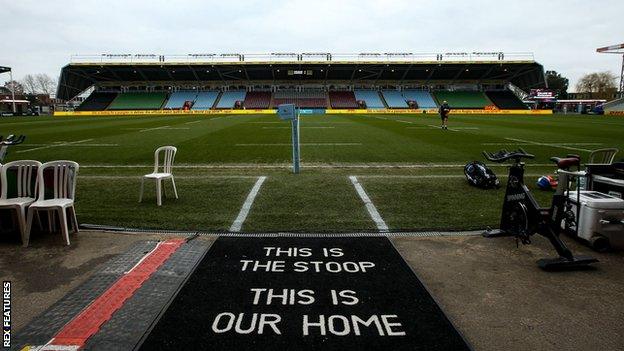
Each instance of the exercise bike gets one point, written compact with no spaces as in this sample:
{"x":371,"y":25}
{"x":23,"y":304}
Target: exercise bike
{"x":522,"y":216}
{"x":9,"y":141}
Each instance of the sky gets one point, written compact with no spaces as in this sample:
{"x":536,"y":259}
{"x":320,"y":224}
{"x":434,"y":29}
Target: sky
{"x":40,"y":36}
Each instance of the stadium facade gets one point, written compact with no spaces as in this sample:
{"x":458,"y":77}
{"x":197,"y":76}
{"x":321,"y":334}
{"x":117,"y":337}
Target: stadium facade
{"x":318,"y":82}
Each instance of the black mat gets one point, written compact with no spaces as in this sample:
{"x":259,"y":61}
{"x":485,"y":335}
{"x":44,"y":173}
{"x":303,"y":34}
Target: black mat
{"x":393,"y":310}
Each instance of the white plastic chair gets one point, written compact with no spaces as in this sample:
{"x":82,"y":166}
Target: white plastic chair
{"x":168,"y":158}
{"x":23,"y":192}
{"x":602,"y":156}
{"x":61,"y":198}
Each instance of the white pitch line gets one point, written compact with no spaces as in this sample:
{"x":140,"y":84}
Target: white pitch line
{"x":103,"y":177}
{"x":163,"y":128}
{"x":155,"y":128}
{"x":424,"y":176}
{"x":193,"y":122}
{"x":440,"y":127}
{"x":372,"y":210}
{"x":552,"y":144}
{"x":244,"y":211}
{"x":302,"y":144}
{"x":309,"y":166}
{"x":303,"y":127}
{"x":560,"y":146}
{"x":54,"y":145}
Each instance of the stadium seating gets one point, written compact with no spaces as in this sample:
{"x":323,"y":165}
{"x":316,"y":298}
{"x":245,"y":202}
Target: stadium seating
{"x":97,"y":102}
{"x":178,"y":98}
{"x":205,"y":100}
{"x":506,"y":99}
{"x":138,"y":101}
{"x":228,"y":98}
{"x":463,"y":99}
{"x":422,"y":98}
{"x":342,"y":99}
{"x":615,"y":105}
{"x":302,"y":99}
{"x":257,"y":100}
{"x":370,"y":97}
{"x":394,"y":99}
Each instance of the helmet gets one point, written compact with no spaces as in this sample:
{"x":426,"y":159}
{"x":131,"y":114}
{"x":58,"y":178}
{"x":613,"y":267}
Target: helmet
{"x":479,"y":175}
{"x":546,"y":182}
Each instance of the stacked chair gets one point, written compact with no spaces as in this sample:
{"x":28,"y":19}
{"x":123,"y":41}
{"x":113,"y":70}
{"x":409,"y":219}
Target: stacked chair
{"x":33,"y":187}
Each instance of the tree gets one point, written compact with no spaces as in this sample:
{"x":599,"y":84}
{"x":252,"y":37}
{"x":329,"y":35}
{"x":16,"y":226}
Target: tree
{"x":558,"y":83}
{"x":30,"y":84}
{"x":598,"y":85}
{"x":45,"y":83}
{"x":15,"y":86}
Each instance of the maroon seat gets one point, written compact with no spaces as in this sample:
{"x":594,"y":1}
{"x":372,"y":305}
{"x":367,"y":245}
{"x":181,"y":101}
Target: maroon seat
{"x":257,"y":100}
{"x":567,"y":162}
{"x":342,"y":99}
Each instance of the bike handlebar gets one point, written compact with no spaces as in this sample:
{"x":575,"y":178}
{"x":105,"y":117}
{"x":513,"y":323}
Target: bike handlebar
{"x":504,"y":155}
{"x":12,"y":140}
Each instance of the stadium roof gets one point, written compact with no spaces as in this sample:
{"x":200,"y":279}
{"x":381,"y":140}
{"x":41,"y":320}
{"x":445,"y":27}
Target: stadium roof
{"x":291,"y":68}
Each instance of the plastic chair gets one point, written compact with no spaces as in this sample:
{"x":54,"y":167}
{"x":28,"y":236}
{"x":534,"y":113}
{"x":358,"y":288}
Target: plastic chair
{"x":602,"y":156}
{"x":60,"y":198}
{"x":168,"y":158}
{"x":23,"y":192}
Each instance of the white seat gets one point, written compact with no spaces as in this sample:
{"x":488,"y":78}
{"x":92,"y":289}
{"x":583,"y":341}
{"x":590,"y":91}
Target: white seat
{"x":63,"y":175}
{"x":17,"y":201}
{"x":23,"y":192}
{"x":602,"y":156}
{"x":161,"y":172}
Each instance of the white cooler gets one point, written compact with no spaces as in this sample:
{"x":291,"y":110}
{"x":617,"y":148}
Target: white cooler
{"x":602,"y":216}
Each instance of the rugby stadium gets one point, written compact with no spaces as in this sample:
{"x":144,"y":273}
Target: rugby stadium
{"x":310,"y":201}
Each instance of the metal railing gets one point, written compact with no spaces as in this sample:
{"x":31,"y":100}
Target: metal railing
{"x":388,"y":57}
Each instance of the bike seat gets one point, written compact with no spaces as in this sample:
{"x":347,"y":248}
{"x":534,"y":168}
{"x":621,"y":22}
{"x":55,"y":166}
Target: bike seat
{"x":567,"y":162}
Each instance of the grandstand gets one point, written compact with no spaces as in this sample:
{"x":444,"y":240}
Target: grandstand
{"x":228,"y":99}
{"x":422,"y":98}
{"x":97,"y":101}
{"x":463,"y":99}
{"x":205,"y":100}
{"x":505,"y":99}
{"x":301,"y":99}
{"x":370,"y":98}
{"x":258,"y":100}
{"x":383,"y":81}
{"x":342,"y":99}
{"x":179,"y":98}
{"x":615,"y":106}
{"x":138,"y":101}
{"x":394,"y":99}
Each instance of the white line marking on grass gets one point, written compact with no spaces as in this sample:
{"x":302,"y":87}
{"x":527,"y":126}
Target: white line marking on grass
{"x":423,"y":176}
{"x":440,"y":127}
{"x":271,"y":122}
{"x":244,"y":211}
{"x":302,"y":144}
{"x":560,"y":146}
{"x":303,"y":127}
{"x":150,"y":129}
{"x":193,"y":122}
{"x":163,"y":128}
{"x":372,"y":210}
{"x":54,"y":145}
{"x":553,"y":144}
{"x":307,"y":165}
{"x":105,"y":177}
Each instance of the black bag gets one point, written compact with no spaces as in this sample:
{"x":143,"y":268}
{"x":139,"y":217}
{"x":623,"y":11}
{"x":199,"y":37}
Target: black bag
{"x":479,"y":175}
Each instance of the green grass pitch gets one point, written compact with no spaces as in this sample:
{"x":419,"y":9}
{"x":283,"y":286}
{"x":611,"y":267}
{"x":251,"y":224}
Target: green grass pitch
{"x":410,"y":168}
